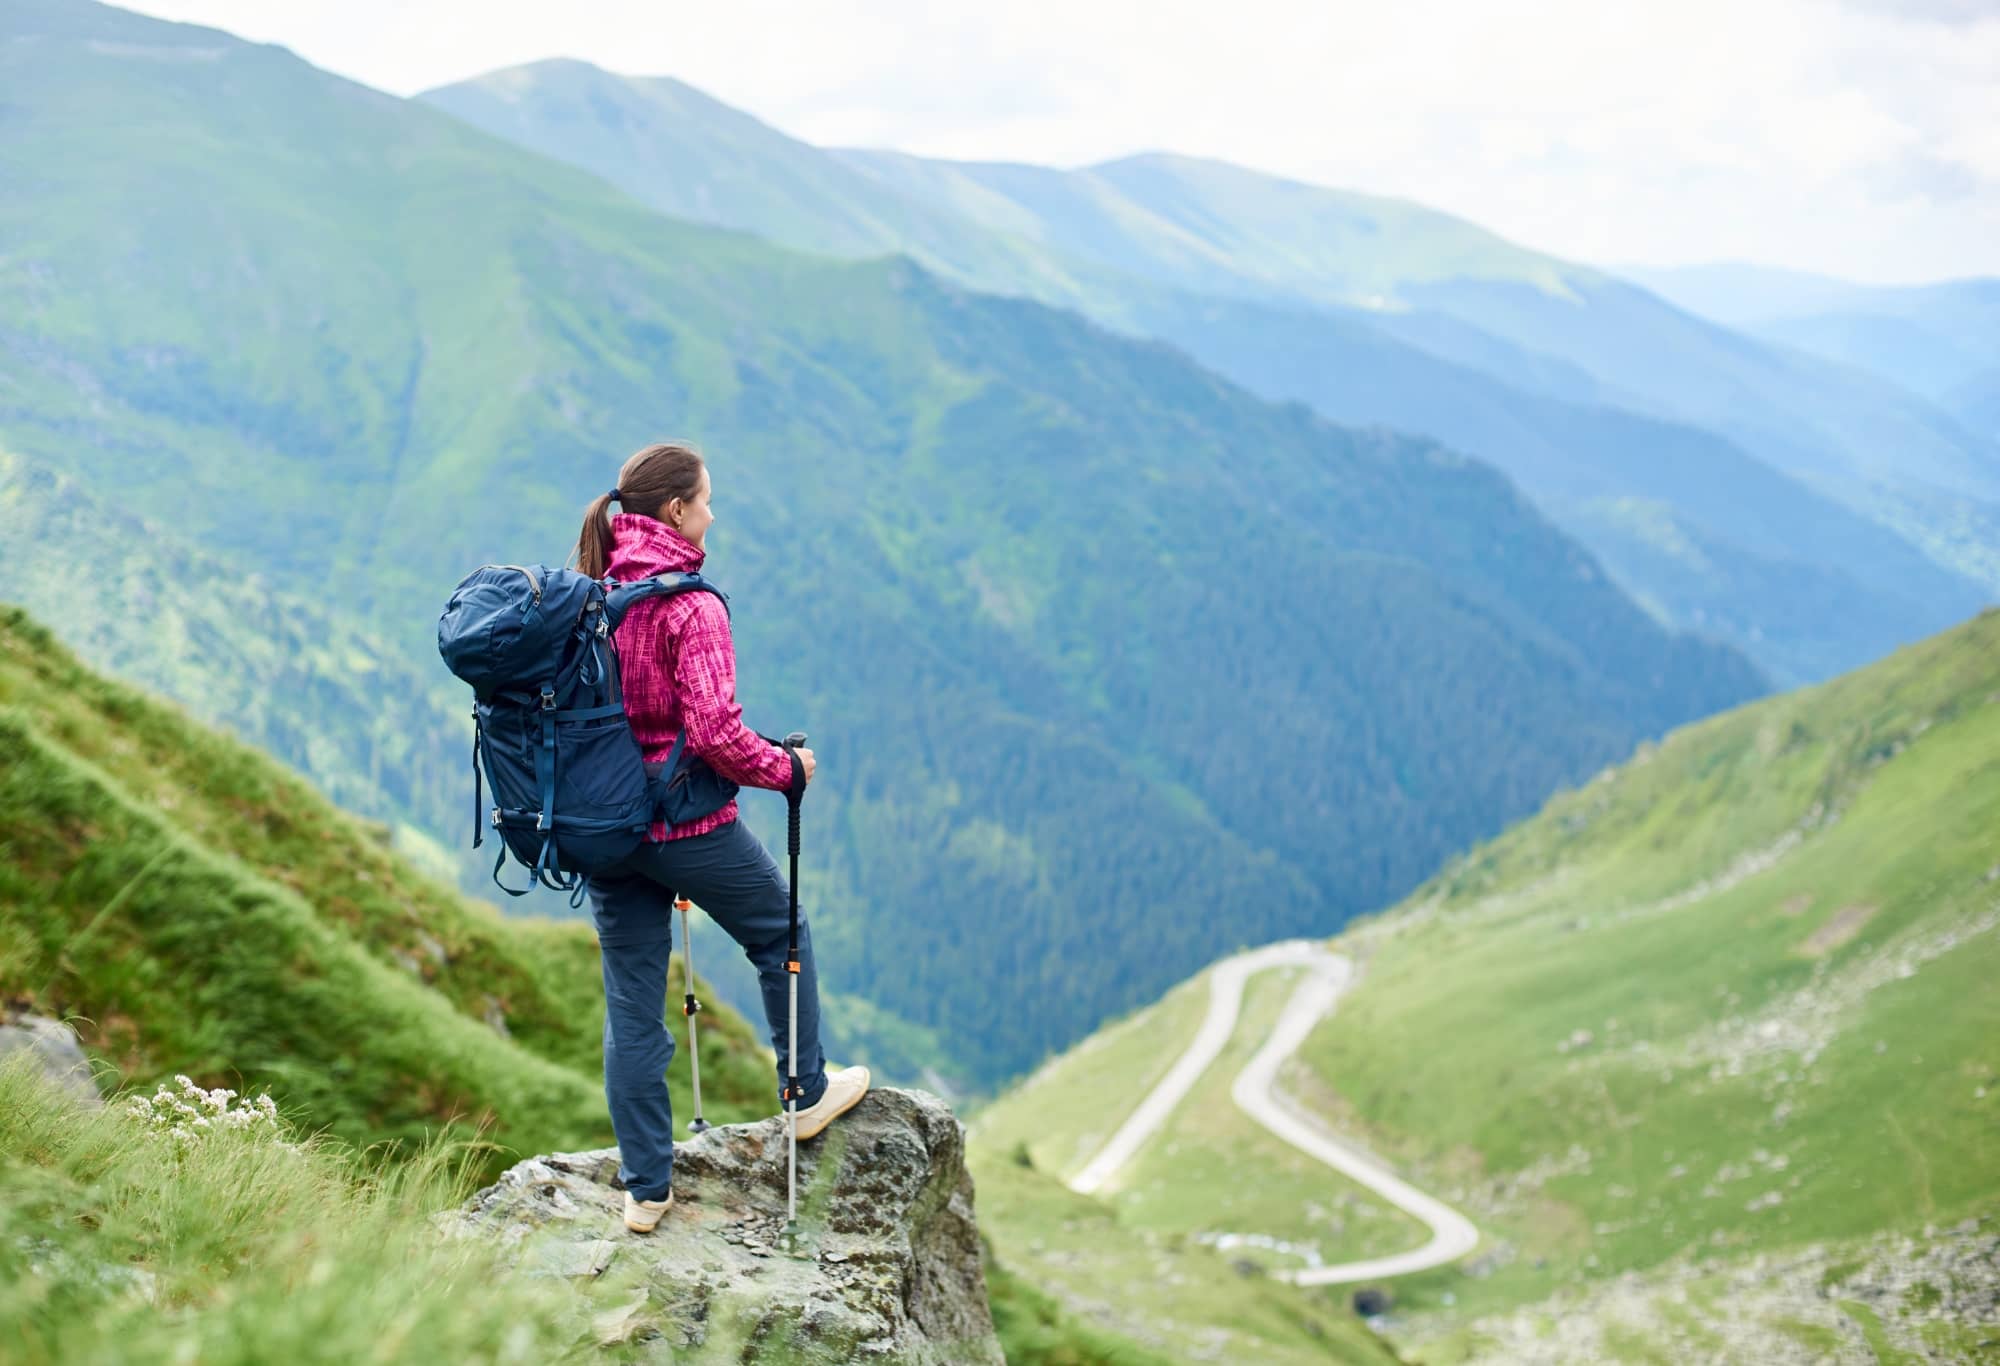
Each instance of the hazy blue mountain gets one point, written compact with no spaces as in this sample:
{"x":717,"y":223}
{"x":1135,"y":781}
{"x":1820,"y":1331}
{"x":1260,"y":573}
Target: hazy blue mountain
{"x":1940,"y":341}
{"x":1222,"y":229}
{"x":1091,"y":642}
{"x":1130,"y":244}
{"x":1704,"y":534}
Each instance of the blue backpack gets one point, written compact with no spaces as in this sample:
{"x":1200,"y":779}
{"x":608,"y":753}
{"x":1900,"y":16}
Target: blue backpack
{"x":572,"y":792}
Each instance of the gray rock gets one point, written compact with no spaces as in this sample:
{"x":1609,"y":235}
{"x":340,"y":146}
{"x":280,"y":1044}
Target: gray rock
{"x":885,"y":1266}
{"x":55,"y":1046}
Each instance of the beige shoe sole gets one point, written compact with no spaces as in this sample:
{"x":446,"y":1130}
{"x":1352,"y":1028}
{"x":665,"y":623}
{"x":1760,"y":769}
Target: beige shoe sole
{"x":813,"y":1122}
{"x":644,"y":1210}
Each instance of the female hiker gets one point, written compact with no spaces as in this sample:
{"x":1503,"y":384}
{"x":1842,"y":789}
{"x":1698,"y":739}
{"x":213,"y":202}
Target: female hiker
{"x":678,"y":668}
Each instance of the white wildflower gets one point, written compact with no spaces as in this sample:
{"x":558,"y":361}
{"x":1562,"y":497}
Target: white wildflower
{"x":182,"y":1117}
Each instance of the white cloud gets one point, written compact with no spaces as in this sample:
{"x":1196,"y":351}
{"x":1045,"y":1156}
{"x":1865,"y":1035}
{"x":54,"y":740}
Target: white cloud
{"x":1857,"y":137}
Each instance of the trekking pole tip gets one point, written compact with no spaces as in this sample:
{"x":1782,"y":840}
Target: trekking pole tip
{"x":698,"y":1125}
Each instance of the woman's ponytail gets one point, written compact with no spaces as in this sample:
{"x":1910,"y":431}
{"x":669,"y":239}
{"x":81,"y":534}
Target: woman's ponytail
{"x":650,"y":480}
{"x":593,"y":544}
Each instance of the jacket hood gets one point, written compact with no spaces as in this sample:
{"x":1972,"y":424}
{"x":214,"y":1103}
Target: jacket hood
{"x":644,"y":546}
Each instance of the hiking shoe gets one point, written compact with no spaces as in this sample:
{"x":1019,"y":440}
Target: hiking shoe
{"x":642,"y":1216}
{"x":844,"y":1090}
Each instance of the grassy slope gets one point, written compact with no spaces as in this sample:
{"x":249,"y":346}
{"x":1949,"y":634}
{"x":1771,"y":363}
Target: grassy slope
{"x":378,"y":736}
{"x":1734,"y":997}
{"x":207,"y":911}
{"x":1162,"y":1291}
{"x":364,"y":347}
{"x":241,"y":1250}
{"x":1063,"y":1112}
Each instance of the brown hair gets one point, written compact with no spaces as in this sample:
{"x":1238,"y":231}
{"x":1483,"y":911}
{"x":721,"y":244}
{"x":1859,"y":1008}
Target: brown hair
{"x":650,"y":480}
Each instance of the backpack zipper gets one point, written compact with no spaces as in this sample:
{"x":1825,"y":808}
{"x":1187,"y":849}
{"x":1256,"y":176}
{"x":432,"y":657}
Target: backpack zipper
{"x":533,"y":582}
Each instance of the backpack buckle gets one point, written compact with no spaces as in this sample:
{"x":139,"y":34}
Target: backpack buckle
{"x":548,"y":699}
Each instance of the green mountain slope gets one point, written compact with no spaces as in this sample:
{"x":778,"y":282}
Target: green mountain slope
{"x":1258,"y":279}
{"x":1733,"y":998}
{"x":203,"y":910}
{"x":286,"y":671}
{"x":1708,"y":1049}
{"x":1075,"y":625}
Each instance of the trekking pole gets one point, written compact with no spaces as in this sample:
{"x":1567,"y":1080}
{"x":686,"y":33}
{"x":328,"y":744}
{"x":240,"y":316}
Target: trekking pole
{"x":688,"y":1008}
{"x":793,"y":741}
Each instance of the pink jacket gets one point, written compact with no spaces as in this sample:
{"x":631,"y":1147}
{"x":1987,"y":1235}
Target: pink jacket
{"x":678,"y":667}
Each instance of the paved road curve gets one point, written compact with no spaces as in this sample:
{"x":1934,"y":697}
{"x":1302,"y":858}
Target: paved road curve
{"x":1452,"y":1234}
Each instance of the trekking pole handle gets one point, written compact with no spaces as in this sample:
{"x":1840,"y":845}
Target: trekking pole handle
{"x":792,"y":799}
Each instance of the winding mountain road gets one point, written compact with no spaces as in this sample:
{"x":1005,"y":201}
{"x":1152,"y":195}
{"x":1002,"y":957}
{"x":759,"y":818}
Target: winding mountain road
{"x":1452,"y":1234}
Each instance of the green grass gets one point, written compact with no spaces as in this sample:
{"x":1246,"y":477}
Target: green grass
{"x":244,"y":1249}
{"x":1035,"y":1330}
{"x":1073,"y":1103}
{"x":194,"y":907}
{"x":1162,"y":1292}
{"x":1873,"y":1333}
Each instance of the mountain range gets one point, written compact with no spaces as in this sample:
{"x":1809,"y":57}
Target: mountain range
{"x":1733,"y":487}
{"x":1100,"y":640}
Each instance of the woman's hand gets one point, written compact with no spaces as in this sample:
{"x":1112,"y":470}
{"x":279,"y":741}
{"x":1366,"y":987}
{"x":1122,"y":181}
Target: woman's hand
{"x":806,"y":762}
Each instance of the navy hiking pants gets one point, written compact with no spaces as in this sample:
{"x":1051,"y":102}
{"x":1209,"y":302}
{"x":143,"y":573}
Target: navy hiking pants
{"x":729,"y":874}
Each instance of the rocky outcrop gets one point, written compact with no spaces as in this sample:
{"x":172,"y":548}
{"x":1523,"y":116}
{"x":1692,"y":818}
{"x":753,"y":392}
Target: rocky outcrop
{"x":885,"y":1265}
{"x":55,"y":1047}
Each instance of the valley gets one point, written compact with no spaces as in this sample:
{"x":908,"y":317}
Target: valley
{"x":1705,"y":1051}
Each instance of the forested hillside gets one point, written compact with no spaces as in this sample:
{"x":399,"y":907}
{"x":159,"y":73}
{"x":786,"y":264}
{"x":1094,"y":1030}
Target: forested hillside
{"x":1076,"y":626}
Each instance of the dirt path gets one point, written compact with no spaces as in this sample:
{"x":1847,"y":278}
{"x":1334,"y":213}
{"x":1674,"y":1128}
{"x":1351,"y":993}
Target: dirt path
{"x":1452,"y":1234}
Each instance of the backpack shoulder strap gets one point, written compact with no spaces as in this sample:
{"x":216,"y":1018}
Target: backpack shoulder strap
{"x":619,"y":597}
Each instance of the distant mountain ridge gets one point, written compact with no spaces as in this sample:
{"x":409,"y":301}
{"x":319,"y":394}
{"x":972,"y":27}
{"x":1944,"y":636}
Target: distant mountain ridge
{"x":1939,"y":341}
{"x":1721,"y":519}
{"x":1076,"y":625}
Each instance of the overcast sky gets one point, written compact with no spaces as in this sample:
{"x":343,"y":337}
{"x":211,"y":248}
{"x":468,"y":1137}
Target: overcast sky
{"x":1854,"y":137}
